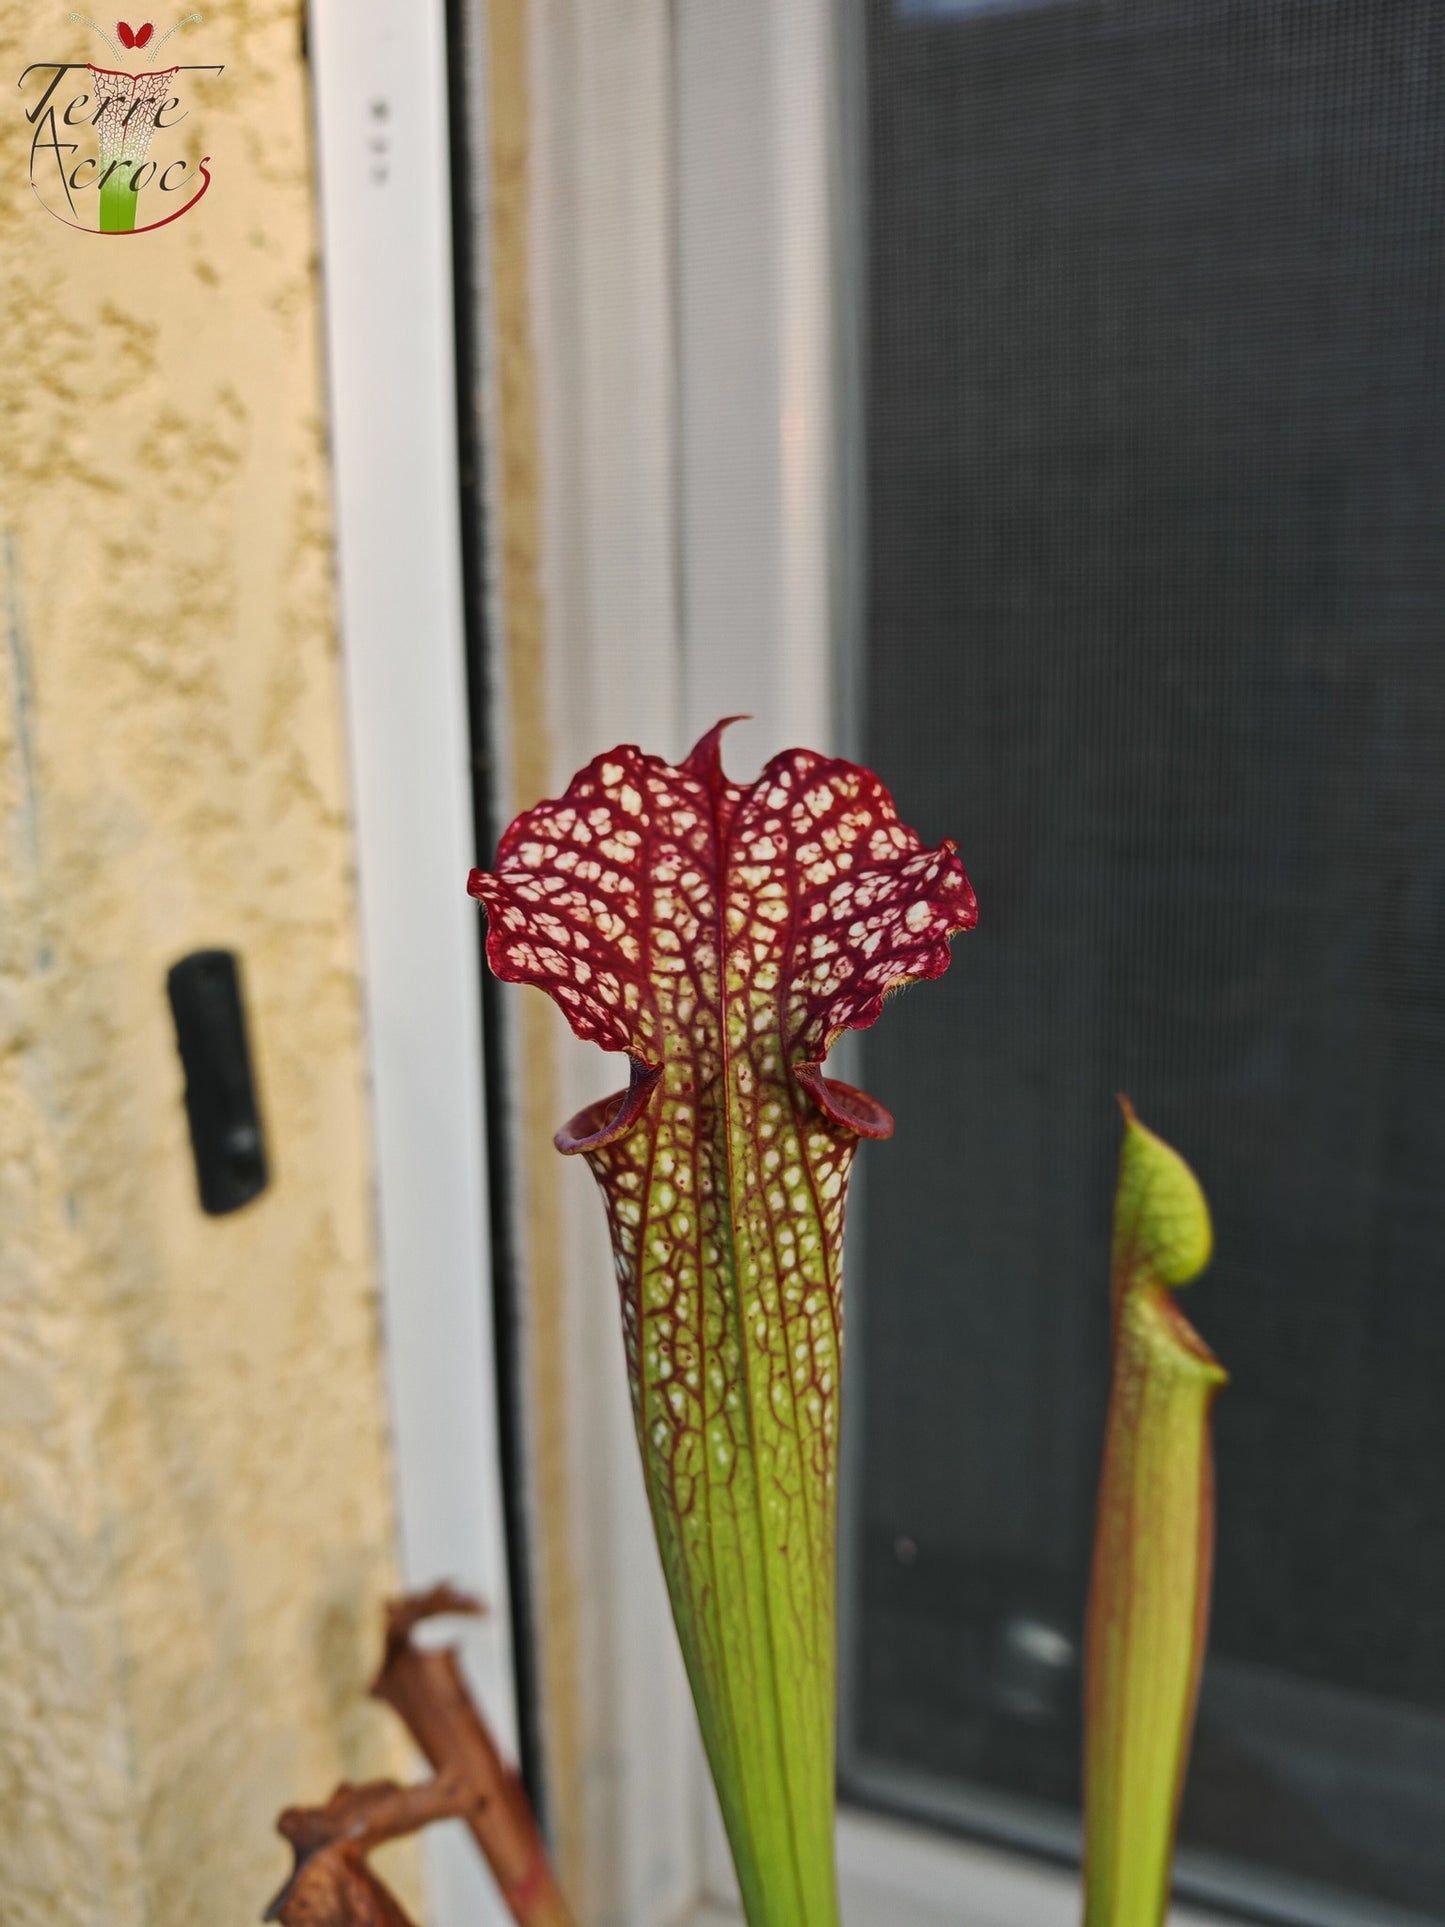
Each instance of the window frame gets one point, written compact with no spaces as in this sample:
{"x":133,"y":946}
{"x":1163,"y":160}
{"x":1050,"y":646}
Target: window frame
{"x":705,"y":581}
{"x":757,"y":514}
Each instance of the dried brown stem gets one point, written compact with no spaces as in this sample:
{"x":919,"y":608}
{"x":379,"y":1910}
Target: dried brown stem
{"x":331,"y":1885}
{"x":425,"y":1687}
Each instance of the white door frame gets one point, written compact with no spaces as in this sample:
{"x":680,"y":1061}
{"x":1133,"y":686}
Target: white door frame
{"x":381,"y":108}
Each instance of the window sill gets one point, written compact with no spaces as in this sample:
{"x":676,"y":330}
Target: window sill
{"x":895,"y":1875}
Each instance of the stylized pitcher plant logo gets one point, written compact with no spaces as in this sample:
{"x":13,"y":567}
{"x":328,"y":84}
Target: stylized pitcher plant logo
{"x":125,"y":108}
{"x":724,"y":936}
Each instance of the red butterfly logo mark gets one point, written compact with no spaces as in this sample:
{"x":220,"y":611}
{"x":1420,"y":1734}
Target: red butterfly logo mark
{"x":130,"y":38}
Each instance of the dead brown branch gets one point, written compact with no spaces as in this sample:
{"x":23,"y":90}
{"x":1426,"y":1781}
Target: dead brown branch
{"x":331,"y":1884}
{"x":425,"y":1687}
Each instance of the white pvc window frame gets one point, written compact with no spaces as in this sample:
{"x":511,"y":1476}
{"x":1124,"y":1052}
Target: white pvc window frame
{"x":379,"y":71}
{"x":691,"y":460}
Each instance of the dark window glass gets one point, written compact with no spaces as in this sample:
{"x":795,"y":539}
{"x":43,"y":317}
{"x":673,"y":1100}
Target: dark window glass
{"x":1155,"y":482}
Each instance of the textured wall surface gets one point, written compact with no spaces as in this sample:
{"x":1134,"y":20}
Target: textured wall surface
{"x":195,"y":1526}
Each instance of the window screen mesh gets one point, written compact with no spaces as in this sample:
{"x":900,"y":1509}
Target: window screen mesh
{"x":1155,"y":481}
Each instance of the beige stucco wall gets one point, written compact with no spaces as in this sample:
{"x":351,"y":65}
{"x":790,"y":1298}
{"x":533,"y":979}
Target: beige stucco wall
{"x":195,"y":1509}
